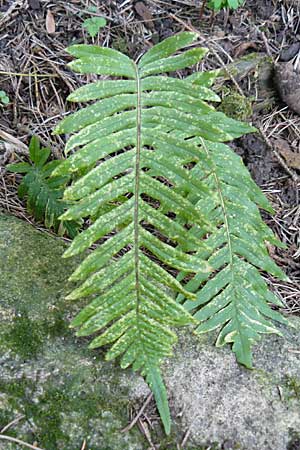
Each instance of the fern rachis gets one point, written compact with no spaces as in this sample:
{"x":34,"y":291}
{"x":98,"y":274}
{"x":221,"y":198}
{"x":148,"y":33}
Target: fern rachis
{"x":136,"y":144}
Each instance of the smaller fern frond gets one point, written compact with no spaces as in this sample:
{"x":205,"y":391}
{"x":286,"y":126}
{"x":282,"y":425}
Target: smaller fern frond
{"x":43,"y":192}
{"x":235,"y":299}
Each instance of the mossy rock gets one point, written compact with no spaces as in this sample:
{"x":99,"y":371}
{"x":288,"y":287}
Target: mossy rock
{"x":68,"y":394}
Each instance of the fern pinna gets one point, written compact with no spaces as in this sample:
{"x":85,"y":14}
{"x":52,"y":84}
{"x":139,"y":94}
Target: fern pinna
{"x":151,"y":149}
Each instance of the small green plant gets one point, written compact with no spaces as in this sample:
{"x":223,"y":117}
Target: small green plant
{"x":93,"y":25}
{"x":4,"y":99}
{"x":174,"y":212}
{"x":216,"y":5}
{"x":43,"y":192}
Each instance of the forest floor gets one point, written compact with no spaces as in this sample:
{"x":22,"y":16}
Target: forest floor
{"x":33,"y":73}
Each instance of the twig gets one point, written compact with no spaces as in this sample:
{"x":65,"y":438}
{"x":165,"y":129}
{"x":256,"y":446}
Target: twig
{"x":10,"y":10}
{"x":43,"y":75}
{"x":17,"y":441}
{"x":145,"y":430}
{"x":136,"y":418}
{"x":186,"y":436}
{"x":202,"y":9}
{"x":264,"y":38}
{"x":22,"y":148}
{"x":10,"y":424}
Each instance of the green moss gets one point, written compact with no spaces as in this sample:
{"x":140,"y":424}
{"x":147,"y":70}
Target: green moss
{"x":235,"y":105}
{"x":120,"y":44}
{"x":66,"y":392}
{"x":47,"y":416}
{"x":292,"y":385}
{"x":56,"y":325}
{"x":45,"y":413}
{"x":5,"y":418}
{"x":69,"y":396}
{"x":15,"y":389}
{"x":26,"y":337}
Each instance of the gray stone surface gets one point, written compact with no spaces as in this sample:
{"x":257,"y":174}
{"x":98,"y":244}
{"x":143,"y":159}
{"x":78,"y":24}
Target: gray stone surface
{"x":67,"y":393}
{"x":219,"y":401}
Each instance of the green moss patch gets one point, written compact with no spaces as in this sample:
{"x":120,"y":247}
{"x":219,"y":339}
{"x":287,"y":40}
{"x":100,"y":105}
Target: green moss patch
{"x":235,"y":105}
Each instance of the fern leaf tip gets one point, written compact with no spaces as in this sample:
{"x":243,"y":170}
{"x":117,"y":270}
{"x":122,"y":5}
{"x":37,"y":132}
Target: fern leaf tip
{"x":66,"y":254}
{"x":74,"y":277}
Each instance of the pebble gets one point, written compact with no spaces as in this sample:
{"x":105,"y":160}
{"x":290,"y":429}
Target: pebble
{"x":288,"y":53}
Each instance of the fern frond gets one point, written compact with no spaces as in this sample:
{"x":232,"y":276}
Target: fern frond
{"x":43,"y":192}
{"x":135,"y":143}
{"x":235,"y":299}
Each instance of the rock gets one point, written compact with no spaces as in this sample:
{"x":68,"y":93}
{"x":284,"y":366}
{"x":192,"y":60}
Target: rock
{"x":289,"y":52}
{"x":221,"y":402}
{"x":287,"y":78}
{"x":68,"y":394}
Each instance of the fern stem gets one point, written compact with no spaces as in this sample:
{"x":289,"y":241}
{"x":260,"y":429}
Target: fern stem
{"x":226,"y":224}
{"x":137,"y":186}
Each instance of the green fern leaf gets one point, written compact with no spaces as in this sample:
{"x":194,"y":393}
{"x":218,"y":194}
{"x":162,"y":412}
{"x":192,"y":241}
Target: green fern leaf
{"x":235,"y":299}
{"x":43,"y":193}
{"x":135,"y":143}
{"x":219,"y":4}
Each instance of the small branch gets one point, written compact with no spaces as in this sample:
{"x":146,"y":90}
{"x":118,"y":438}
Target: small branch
{"x":9,"y":12}
{"x":202,"y":9}
{"x":186,"y":437}
{"x":136,"y":418}
{"x":17,"y":441}
{"x":43,"y":75}
{"x":10,"y":424}
{"x":83,"y":445}
{"x":23,"y":149}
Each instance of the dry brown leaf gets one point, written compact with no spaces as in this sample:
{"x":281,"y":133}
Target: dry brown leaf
{"x":291,"y":158}
{"x":242,"y":48}
{"x":145,"y":14}
{"x":50,"y":22}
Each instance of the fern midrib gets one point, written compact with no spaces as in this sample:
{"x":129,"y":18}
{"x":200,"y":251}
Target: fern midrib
{"x":137,"y":189}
